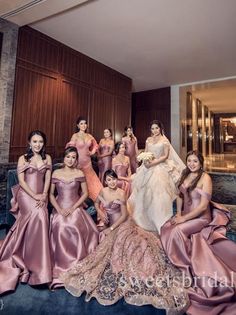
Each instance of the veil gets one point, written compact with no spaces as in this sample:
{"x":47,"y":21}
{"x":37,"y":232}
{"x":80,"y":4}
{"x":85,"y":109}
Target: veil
{"x":175,"y":157}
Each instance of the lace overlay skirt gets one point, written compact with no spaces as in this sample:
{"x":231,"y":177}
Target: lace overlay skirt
{"x":131,"y":264}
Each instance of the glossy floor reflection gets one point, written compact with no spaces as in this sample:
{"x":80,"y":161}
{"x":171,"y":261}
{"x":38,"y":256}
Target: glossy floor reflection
{"x":225,"y":163}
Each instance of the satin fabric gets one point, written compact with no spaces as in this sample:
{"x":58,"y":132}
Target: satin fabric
{"x":201,"y":250}
{"x":25,"y":254}
{"x":130,"y":151}
{"x":72,"y":237}
{"x":104,"y":163}
{"x":153,"y":189}
{"x":122,"y":170}
{"x":122,"y":264}
{"x":84,"y":148}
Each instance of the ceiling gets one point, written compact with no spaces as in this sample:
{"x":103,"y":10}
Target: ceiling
{"x":219,"y":97}
{"x":157,"y":43}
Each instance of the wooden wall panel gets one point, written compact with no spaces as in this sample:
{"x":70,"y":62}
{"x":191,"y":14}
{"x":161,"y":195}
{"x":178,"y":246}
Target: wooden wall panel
{"x":34,"y":107}
{"x":147,"y":106}
{"x":55,"y":84}
{"x":38,"y":49}
{"x":75,"y":65}
{"x":101,"y":113}
{"x":122,"y":117}
{"x":74,"y":102}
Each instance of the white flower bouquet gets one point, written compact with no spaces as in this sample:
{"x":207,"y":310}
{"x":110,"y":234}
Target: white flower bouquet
{"x":145,"y":157}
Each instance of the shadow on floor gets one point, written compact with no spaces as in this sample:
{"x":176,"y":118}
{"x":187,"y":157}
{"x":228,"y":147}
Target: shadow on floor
{"x":27,"y":300}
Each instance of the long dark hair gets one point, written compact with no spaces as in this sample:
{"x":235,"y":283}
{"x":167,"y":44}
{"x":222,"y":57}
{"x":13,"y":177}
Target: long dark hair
{"x":187,"y":171}
{"x":69,"y":150}
{"x":79,"y":119}
{"x":117,"y":146}
{"x":159,"y":124}
{"x":125,"y":132}
{"x":29,"y":153}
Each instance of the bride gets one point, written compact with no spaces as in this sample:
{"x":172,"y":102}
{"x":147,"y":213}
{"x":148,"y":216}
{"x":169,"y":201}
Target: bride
{"x":153,"y":185}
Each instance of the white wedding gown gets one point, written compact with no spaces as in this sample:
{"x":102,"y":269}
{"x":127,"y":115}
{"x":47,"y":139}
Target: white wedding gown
{"x":153,"y":189}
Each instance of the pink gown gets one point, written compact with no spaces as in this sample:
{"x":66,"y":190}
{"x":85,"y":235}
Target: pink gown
{"x":84,"y":148}
{"x":121,"y":266}
{"x":122,"y":170}
{"x":201,"y":250}
{"x":72,"y":237}
{"x":104,"y":163}
{"x":25,"y":253}
{"x":131,"y":152}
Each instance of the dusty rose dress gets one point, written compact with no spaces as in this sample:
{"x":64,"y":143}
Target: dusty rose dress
{"x":84,"y":148}
{"x":201,"y":250}
{"x":121,"y":266}
{"x":25,"y":254}
{"x":104,"y":163}
{"x":72,"y":237}
{"x":131,"y":152}
{"x":122,"y":170}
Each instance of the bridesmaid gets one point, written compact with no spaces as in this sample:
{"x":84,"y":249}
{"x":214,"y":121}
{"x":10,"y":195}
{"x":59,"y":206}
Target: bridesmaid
{"x":86,"y":146}
{"x":129,"y":262}
{"x":73,"y":234}
{"x":25,"y":254}
{"x":195,"y":241}
{"x":131,"y":145}
{"x":105,"y":150}
{"x":121,"y":165}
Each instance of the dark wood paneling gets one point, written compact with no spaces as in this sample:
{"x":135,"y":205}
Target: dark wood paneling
{"x":73,"y":102}
{"x":147,"y":106}
{"x":101,"y":113}
{"x":55,"y":84}
{"x":34,"y":107}
{"x":122,"y":117}
{"x":38,"y":49}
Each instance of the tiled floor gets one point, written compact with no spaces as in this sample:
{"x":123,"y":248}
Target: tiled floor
{"x":225,"y":163}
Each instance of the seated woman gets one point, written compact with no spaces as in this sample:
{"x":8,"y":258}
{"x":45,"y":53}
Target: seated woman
{"x":129,"y":263}
{"x":121,"y":166}
{"x":73,"y":234}
{"x":194,"y":240}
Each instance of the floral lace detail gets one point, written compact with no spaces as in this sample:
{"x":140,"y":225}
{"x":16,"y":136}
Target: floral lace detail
{"x":128,"y":264}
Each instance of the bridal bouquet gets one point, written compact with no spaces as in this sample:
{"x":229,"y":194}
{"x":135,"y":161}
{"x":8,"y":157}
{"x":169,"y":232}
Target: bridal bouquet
{"x":145,"y":157}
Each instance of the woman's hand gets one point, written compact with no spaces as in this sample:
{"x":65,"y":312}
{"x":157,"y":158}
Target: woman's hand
{"x":177,"y":219}
{"x":65,"y":212}
{"x":106,"y":231}
{"x":40,"y":200}
{"x":103,"y":216}
{"x":148,"y":164}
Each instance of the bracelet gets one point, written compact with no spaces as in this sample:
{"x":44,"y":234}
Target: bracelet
{"x":111,"y":228}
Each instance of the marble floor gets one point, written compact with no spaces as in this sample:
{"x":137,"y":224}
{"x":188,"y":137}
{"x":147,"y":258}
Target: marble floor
{"x":225,"y":163}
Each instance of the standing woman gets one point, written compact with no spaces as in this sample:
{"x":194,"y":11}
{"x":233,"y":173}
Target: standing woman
{"x":121,"y":165}
{"x":131,"y":145}
{"x":153,"y":185}
{"x":25,"y":254}
{"x":105,"y":150}
{"x":73,"y":234}
{"x":86,"y":146}
{"x":195,"y":241}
